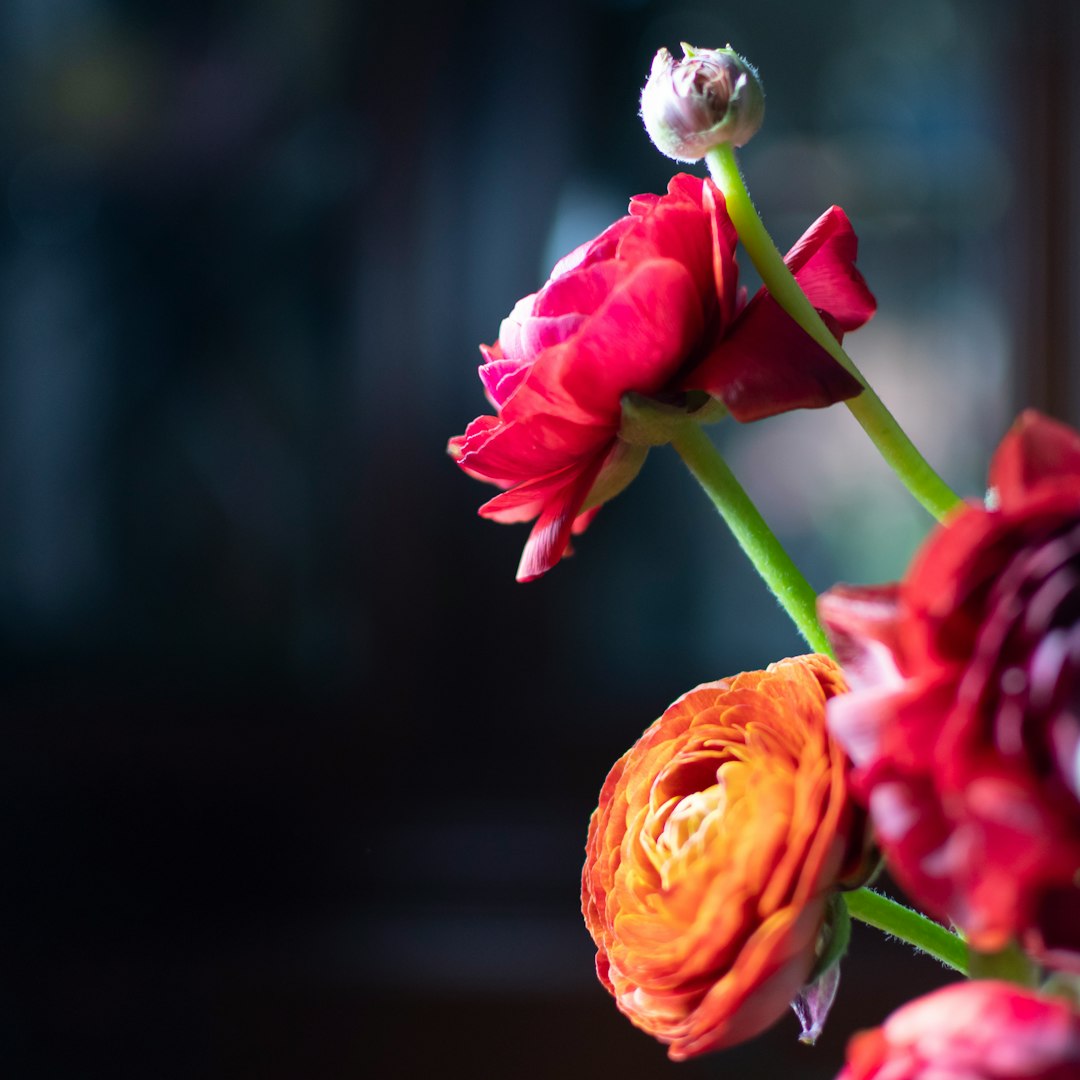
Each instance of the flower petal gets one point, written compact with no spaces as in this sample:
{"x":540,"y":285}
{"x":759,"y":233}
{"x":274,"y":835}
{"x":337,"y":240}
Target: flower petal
{"x":768,"y":364}
{"x":823,"y":262}
{"x":550,"y":536}
{"x":1036,"y":449}
{"x":636,"y":340}
{"x":509,"y":453}
{"x":501,"y":378}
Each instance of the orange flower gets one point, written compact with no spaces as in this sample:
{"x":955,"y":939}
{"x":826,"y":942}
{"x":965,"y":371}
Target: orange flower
{"x":712,"y":855}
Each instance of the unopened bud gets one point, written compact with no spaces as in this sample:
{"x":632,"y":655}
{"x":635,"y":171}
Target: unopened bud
{"x":711,"y":96}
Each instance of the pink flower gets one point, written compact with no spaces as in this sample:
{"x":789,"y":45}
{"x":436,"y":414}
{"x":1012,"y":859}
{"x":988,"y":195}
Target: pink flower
{"x":963,"y":717}
{"x":652,"y":306}
{"x":971,"y":1031}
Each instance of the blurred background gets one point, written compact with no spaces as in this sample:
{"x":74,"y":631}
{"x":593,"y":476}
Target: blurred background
{"x":294,"y":777}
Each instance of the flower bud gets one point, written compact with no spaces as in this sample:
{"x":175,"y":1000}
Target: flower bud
{"x":710,"y":97}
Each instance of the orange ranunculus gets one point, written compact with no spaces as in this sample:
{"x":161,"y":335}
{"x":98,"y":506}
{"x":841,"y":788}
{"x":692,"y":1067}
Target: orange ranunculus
{"x":713,"y":853}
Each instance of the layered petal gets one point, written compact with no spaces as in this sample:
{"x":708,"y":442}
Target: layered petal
{"x":1036,"y":450}
{"x":711,"y":855}
{"x":963,"y":718}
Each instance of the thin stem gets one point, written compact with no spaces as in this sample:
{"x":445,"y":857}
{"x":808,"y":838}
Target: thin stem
{"x":1011,"y":964}
{"x":755,"y":537}
{"x":879,"y":424}
{"x":926,"y":935}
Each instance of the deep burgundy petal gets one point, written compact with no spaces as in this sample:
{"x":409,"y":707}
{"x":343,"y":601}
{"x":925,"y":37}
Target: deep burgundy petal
{"x":769,"y":365}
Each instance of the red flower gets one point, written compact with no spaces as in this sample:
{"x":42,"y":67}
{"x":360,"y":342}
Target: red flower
{"x":717,"y":842}
{"x":971,"y":1031}
{"x":652,"y":300}
{"x":964,"y":718}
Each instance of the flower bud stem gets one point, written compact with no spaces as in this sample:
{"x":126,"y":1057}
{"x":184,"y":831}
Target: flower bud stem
{"x":901,"y":922}
{"x":879,"y":424}
{"x":755,"y":537}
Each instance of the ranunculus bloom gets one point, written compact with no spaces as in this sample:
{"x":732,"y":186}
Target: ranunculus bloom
{"x":964,"y":720}
{"x":971,"y":1031}
{"x":652,"y":299}
{"x":718,"y":840}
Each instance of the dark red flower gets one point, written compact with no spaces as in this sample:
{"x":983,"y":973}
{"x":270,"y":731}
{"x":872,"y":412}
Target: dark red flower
{"x":971,"y":1031}
{"x":964,"y":720}
{"x":652,"y":306}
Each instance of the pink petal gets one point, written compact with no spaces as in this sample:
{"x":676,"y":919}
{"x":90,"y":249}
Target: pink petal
{"x":509,"y":342}
{"x":862,"y":624}
{"x":539,"y":332}
{"x":501,"y":378}
{"x":1036,"y":449}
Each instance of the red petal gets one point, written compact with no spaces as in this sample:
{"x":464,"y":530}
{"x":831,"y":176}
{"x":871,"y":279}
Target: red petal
{"x":550,"y":536}
{"x":724,"y":240}
{"x":636,"y":341}
{"x":1036,"y":449}
{"x":823,"y":262}
{"x":596,"y":250}
{"x":679,"y":231}
{"x":579,"y":292}
{"x":510,"y":453}
{"x":769,"y":365}
{"x":526,"y":500}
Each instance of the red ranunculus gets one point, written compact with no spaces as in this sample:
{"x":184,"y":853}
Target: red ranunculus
{"x":652,"y":305}
{"x":971,"y":1031}
{"x":964,"y":720}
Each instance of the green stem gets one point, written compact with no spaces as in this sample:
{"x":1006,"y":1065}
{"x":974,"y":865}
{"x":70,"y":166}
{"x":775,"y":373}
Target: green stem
{"x":927,"y":936}
{"x":755,"y":537}
{"x":879,"y":424}
{"x":1011,"y":964}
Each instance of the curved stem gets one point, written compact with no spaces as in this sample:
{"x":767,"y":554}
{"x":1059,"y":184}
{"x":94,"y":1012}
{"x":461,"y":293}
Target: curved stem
{"x":879,"y":424}
{"x":755,"y":537}
{"x":901,"y":922}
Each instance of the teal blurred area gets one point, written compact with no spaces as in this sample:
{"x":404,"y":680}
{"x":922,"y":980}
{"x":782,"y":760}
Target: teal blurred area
{"x":296,"y":778}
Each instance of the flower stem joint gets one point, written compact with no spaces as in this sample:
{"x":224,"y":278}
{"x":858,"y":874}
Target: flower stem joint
{"x":709,"y":97}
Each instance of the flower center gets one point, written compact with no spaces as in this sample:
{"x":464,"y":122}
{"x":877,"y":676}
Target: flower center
{"x":692,"y":824}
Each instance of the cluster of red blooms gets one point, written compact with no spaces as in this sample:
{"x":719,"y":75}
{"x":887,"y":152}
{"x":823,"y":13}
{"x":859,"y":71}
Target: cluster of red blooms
{"x":946,"y":737}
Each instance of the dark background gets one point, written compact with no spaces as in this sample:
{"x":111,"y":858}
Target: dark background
{"x":294,"y":777}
